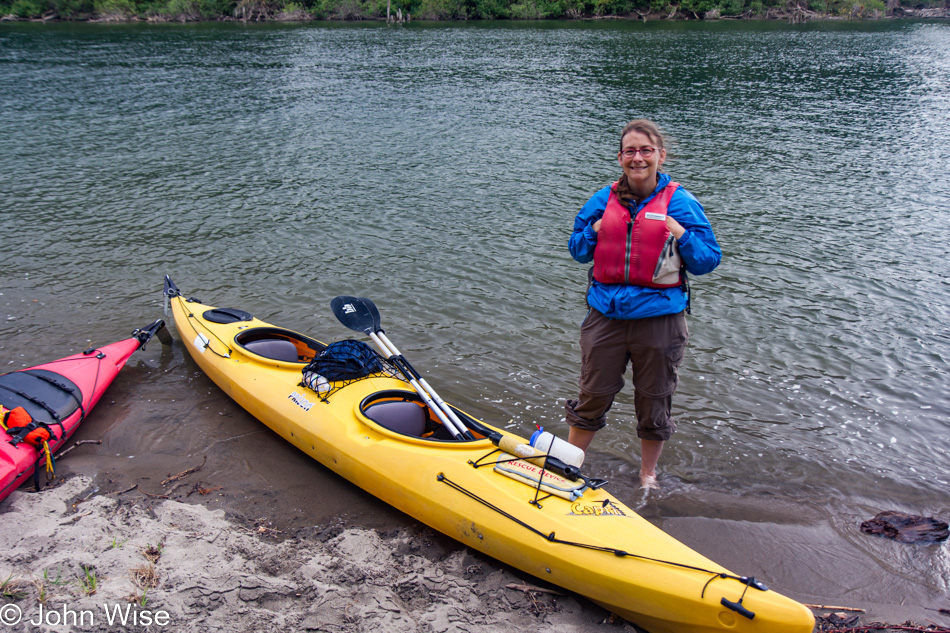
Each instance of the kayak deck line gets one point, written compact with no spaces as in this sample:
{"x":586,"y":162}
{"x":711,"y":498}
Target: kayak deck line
{"x":67,"y":387}
{"x":61,"y":387}
{"x":747,"y":581}
{"x":171,"y":291}
{"x":192,"y":319}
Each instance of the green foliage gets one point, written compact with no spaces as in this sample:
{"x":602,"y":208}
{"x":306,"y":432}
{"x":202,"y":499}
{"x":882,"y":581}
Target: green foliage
{"x":612,"y":7}
{"x":731,"y":7}
{"x":194,"y":9}
{"x":260,"y":10}
{"x":870,"y":6}
{"x":69,"y":8}
{"x":699,"y":7}
{"x":116,"y":8}
{"x":345,"y":10}
{"x":27,"y":8}
{"x":12,"y":589}
{"x":319,"y":9}
{"x":437,"y":10}
{"x":492,"y":10}
{"x":527,"y":10}
{"x":89,"y":582}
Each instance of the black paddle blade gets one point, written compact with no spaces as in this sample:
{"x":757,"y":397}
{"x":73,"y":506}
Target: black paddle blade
{"x":356,"y":313}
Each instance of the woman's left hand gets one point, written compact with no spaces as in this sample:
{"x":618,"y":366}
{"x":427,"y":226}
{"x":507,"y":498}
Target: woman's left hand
{"x":675,"y":227}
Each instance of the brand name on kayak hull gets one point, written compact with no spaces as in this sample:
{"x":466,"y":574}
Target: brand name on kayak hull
{"x":300,"y":400}
{"x":599,"y":509}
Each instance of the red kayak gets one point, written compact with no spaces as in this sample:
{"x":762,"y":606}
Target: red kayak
{"x":42,"y":406}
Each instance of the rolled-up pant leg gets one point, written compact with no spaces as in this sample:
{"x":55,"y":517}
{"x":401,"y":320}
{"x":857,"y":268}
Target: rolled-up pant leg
{"x":603,"y":363}
{"x":657,"y":346}
{"x":588,"y":413}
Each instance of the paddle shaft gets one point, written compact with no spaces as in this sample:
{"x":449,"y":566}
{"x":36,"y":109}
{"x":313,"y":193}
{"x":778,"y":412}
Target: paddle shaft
{"x":456,"y":422}
{"x":509,"y":444}
{"x":425,"y":392}
{"x":360,"y":314}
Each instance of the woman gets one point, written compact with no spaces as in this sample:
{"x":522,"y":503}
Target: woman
{"x":643,"y":233}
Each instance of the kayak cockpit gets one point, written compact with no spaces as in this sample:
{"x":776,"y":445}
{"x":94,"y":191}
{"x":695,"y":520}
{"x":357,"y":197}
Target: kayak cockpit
{"x":279,"y":344}
{"x":404,"y":413}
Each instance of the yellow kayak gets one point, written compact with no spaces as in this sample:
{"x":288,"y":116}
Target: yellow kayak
{"x":477,"y":484}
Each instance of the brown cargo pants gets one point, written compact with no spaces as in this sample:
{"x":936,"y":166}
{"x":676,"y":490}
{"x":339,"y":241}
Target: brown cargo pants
{"x":654,"y":347}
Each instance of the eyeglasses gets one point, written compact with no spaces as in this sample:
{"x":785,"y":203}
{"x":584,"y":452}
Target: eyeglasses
{"x":646,"y":152}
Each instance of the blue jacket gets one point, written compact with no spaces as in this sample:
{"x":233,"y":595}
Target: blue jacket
{"x":698,"y":247}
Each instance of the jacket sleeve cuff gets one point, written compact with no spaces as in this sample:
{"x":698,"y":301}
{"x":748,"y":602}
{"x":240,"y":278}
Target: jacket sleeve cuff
{"x":683,"y":241}
{"x":590,"y":234}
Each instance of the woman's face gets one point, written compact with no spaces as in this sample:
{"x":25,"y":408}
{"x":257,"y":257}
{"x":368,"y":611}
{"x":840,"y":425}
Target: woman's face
{"x":640,"y":170}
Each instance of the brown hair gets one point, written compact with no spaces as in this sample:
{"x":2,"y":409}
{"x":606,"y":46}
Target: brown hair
{"x":649,"y":129}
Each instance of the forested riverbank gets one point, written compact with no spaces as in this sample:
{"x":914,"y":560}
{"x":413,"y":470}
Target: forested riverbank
{"x":407,"y":10}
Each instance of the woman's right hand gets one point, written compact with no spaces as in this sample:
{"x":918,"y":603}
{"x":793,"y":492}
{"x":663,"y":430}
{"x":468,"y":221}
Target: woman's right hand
{"x":596,"y":225}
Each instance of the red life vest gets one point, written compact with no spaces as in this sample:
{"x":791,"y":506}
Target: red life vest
{"x":642,"y":251}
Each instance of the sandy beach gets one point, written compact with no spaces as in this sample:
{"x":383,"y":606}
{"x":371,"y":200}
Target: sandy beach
{"x":81,"y":559}
{"x":127,"y":562}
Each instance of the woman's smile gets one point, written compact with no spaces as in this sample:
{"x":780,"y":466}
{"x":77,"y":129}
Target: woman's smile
{"x":640,"y":169}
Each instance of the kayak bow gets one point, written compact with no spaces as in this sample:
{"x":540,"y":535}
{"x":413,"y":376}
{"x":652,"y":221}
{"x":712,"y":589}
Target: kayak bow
{"x":58,"y":396}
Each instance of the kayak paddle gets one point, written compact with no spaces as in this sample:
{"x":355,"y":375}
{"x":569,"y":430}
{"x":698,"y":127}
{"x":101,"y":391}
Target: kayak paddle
{"x":360,"y":314}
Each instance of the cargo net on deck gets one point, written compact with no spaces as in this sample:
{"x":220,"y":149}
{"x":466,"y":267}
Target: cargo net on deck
{"x":341,"y":364}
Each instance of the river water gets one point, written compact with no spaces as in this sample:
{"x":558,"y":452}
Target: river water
{"x":437,"y":169}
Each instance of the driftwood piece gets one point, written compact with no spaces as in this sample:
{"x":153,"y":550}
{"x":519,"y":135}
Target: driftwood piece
{"x":185,"y":473}
{"x":832,"y":608}
{"x":122,"y":492}
{"x":149,"y":494}
{"x":65,"y":452}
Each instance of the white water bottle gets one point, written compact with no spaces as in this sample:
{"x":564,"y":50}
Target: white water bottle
{"x":316,"y":382}
{"x":556,"y":447}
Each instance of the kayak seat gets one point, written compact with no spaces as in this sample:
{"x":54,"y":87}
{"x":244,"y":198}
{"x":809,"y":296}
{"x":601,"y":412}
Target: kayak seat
{"x":400,"y":416}
{"x":279,"y":344}
{"x":276,"y":349}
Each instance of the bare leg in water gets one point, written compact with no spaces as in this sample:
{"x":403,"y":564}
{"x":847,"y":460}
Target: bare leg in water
{"x":650,"y":451}
{"x":649,"y":456}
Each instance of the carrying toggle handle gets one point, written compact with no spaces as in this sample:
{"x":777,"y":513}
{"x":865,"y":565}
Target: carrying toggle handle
{"x":738,"y":608}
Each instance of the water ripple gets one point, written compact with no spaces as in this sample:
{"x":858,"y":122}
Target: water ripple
{"x":438,"y":170}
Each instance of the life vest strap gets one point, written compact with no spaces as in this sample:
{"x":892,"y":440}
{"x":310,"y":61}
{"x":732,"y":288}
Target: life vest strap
{"x":34,"y":433}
